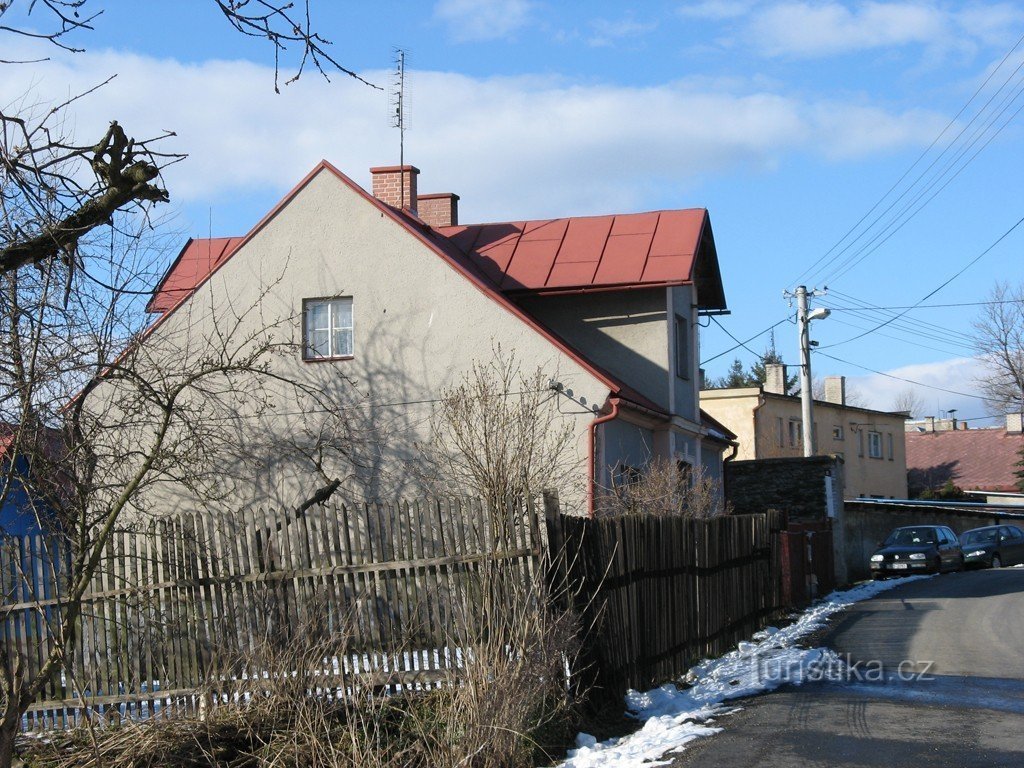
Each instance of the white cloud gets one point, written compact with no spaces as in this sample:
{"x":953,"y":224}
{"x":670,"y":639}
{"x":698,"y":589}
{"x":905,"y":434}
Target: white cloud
{"x":527,"y":146}
{"x":957,"y":375}
{"x":805,"y":30}
{"x":607,"y":31}
{"x":716,"y":10}
{"x":477,"y":20}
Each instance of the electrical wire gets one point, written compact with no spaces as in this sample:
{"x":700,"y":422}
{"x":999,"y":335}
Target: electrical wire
{"x":927,"y":296}
{"x":746,"y":341}
{"x":910,"y":324}
{"x":895,"y":225}
{"x":908,"y":381}
{"x":814,"y":268}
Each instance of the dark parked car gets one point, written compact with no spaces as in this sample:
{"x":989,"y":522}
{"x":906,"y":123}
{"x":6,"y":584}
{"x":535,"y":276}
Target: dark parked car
{"x":917,"y":549}
{"x":993,"y":546}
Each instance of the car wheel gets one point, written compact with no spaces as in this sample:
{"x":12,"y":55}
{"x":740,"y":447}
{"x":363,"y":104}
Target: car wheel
{"x":996,"y":562}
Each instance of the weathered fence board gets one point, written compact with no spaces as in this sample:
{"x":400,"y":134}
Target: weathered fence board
{"x":178,"y":604}
{"x":660,"y":593}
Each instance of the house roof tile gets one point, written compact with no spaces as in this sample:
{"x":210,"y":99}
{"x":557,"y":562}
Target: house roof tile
{"x":971,"y":458}
{"x":595,"y":252}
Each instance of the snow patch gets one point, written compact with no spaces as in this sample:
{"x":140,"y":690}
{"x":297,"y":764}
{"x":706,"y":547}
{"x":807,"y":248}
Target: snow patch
{"x":673,"y":717}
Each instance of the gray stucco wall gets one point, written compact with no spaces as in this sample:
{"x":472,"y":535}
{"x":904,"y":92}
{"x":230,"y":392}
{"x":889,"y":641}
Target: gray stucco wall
{"x":683,"y":300}
{"x":624,"y":332}
{"x":419,"y":325}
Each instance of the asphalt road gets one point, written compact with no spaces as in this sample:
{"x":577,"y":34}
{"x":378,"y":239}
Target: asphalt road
{"x":963,"y":631}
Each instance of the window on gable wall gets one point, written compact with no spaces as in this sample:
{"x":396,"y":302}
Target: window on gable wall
{"x":682,"y":348}
{"x":890,"y":446}
{"x":875,"y":445}
{"x":327,"y":328}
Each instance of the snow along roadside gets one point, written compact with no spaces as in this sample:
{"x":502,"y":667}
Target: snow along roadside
{"x":672,"y":718}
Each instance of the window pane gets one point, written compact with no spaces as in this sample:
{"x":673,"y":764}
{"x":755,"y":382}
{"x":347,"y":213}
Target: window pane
{"x":342,"y":313}
{"x":342,"y":340}
{"x":319,"y":343}
{"x":316,"y":316}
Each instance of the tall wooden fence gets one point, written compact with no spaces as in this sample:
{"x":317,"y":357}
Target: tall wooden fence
{"x":661,"y":593}
{"x":189,"y":599}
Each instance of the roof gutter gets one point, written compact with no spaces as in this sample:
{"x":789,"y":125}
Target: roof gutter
{"x":592,"y":452}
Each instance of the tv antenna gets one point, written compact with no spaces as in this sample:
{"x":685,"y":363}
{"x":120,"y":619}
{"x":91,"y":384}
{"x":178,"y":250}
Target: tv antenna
{"x":398,"y":116}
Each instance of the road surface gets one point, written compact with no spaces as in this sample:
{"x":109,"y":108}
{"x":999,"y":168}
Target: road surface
{"x":957,"y":642}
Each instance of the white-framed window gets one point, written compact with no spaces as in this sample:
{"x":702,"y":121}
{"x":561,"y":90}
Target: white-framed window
{"x":837,"y":432}
{"x":891,"y":446}
{"x":327,"y":328}
{"x":875,"y":445}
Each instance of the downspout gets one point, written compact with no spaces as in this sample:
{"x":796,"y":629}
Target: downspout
{"x":592,"y":451}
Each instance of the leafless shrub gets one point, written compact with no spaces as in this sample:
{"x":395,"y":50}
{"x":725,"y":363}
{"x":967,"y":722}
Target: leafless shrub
{"x":663,"y":488}
{"x":498,"y":435}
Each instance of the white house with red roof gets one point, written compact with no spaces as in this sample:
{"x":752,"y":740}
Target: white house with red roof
{"x":391,"y":300}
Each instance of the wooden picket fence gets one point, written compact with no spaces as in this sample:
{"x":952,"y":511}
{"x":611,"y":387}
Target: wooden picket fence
{"x":661,"y":593}
{"x":176,"y":606}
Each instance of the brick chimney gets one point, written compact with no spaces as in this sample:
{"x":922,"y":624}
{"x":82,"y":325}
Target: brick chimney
{"x":388,"y":185}
{"x":1015,"y":423}
{"x":438,"y":210}
{"x":835,"y":390}
{"x":775,"y":378}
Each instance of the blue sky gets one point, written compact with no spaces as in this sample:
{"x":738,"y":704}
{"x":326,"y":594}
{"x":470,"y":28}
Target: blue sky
{"x":787,"y":120}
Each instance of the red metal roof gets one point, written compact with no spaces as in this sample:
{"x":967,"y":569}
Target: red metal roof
{"x":595,"y":252}
{"x":194,"y":264}
{"x":972,"y":458}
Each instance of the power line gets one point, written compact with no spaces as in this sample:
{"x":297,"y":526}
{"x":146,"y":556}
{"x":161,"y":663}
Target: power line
{"x":895,"y":224}
{"x":927,"y":296}
{"x":745,"y":342}
{"x":908,"y":381}
{"x":911,"y":324}
{"x":811,"y":270}
{"x":921,"y":306}
{"x":916,"y":342}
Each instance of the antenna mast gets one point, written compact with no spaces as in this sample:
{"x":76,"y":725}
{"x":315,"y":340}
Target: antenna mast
{"x":398,"y":121}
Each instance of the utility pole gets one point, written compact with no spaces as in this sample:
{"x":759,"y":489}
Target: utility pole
{"x":803,"y":322}
{"x":806,"y":399}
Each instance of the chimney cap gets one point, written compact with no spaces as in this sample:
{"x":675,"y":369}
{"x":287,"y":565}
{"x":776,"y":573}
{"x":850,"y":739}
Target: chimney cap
{"x":394,"y":169}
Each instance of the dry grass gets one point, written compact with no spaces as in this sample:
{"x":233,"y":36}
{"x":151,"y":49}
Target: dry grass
{"x":495,"y":711}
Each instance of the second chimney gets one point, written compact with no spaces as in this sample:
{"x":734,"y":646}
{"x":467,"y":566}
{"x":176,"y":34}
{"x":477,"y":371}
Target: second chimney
{"x":835,"y":390}
{"x":439,"y":210}
{"x":775,"y":378}
{"x":1015,"y":423}
{"x":396,"y":185}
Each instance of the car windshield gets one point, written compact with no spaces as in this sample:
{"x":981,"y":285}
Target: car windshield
{"x":909,"y":537}
{"x":980,"y":537}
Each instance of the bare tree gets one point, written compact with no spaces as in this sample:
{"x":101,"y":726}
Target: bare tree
{"x":55,"y":189}
{"x":909,"y":402}
{"x":499,"y":435}
{"x":999,"y":338}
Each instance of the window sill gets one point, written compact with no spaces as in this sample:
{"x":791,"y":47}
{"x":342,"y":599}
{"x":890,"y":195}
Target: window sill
{"x":328,"y":359}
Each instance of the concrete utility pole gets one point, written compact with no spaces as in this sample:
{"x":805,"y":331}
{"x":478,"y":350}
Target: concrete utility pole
{"x":803,"y":322}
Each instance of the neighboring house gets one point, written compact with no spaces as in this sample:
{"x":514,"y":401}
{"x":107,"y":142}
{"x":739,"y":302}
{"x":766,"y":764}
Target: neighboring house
{"x":971,"y":459}
{"x":22,"y":512}
{"x":391,"y":300}
{"x":768,"y":424}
